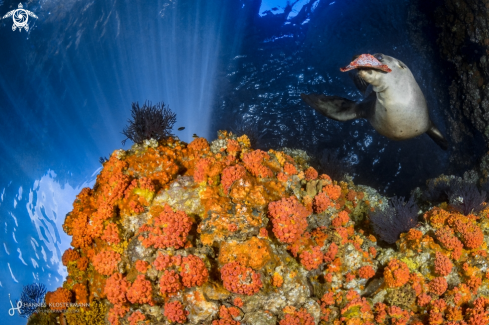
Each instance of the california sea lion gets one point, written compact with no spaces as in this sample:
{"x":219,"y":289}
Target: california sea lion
{"x":394,"y":104}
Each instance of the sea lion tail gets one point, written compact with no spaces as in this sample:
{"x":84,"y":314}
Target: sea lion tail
{"x":437,"y":136}
{"x":334,"y":107}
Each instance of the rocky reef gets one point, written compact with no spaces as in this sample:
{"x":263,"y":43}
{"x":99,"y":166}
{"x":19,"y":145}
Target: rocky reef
{"x":223,"y":234}
{"x":464,"y":41}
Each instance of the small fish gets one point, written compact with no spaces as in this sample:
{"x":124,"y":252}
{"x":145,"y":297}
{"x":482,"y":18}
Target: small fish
{"x":181,"y":128}
{"x":274,"y":8}
{"x":195,"y":135}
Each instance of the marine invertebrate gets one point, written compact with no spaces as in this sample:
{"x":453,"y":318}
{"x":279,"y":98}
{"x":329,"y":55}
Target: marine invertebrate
{"x":81,"y":293}
{"x":175,"y":313}
{"x":230,"y":175}
{"x":253,"y":162}
{"x":32,"y":298}
{"x":310,"y":174}
{"x":59,"y":300}
{"x":466,"y":198}
{"x":312,"y":259}
{"x":106,"y":262}
{"x":396,"y":274}
{"x":163,"y":261}
{"x":140,"y":291}
{"x":240,"y":279}
{"x":193,"y":271}
{"x":149,"y":122}
{"x":116,"y":312}
{"x":167,"y":263}
{"x":142,"y":266}
{"x":396,"y":218}
{"x":296,"y":317}
{"x":116,"y":288}
{"x":443,"y":265}
{"x":438,"y":286}
{"x":321,"y":202}
{"x":366,"y":272}
{"x":136,"y":317}
{"x":170,"y":282}
{"x":111,"y":234}
{"x":69,"y":255}
{"x":170,"y":229}
{"x":288,"y":218}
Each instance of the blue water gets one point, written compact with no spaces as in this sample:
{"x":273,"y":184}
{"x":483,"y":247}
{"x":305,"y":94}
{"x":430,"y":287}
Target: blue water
{"x":66,"y":88}
{"x":67,"y":85}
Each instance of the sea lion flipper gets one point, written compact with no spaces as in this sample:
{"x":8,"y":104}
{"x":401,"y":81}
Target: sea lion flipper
{"x":334,"y":107}
{"x":437,"y":136}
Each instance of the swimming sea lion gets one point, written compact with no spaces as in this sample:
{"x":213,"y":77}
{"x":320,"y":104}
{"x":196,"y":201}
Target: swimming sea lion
{"x":394,"y":104}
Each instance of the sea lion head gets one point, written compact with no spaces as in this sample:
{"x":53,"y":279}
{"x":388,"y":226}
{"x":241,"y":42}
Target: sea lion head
{"x":378,"y":69}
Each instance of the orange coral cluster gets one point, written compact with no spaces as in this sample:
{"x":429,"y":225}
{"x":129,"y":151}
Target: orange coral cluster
{"x":106,"y":262}
{"x":230,"y":175}
{"x":240,"y":279}
{"x":59,"y":300}
{"x":69,"y":255}
{"x":140,"y":291}
{"x":296,"y":317}
{"x":253,"y":162}
{"x":288,"y":218}
{"x":175,"y":313}
{"x":237,"y":190}
{"x":396,"y":274}
{"x":170,"y":229}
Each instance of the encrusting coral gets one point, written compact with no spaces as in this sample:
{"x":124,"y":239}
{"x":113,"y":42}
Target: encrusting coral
{"x":220,"y":233}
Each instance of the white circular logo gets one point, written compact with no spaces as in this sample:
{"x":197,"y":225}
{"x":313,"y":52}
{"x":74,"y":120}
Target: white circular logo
{"x":20,"y":17}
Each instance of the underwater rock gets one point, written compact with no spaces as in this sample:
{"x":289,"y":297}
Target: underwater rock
{"x":464,"y":41}
{"x":179,"y":233}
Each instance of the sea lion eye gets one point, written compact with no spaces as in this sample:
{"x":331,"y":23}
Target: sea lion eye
{"x":379,"y":57}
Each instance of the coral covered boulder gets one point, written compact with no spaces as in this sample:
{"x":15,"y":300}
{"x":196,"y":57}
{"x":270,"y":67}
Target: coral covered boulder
{"x":220,"y":233}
